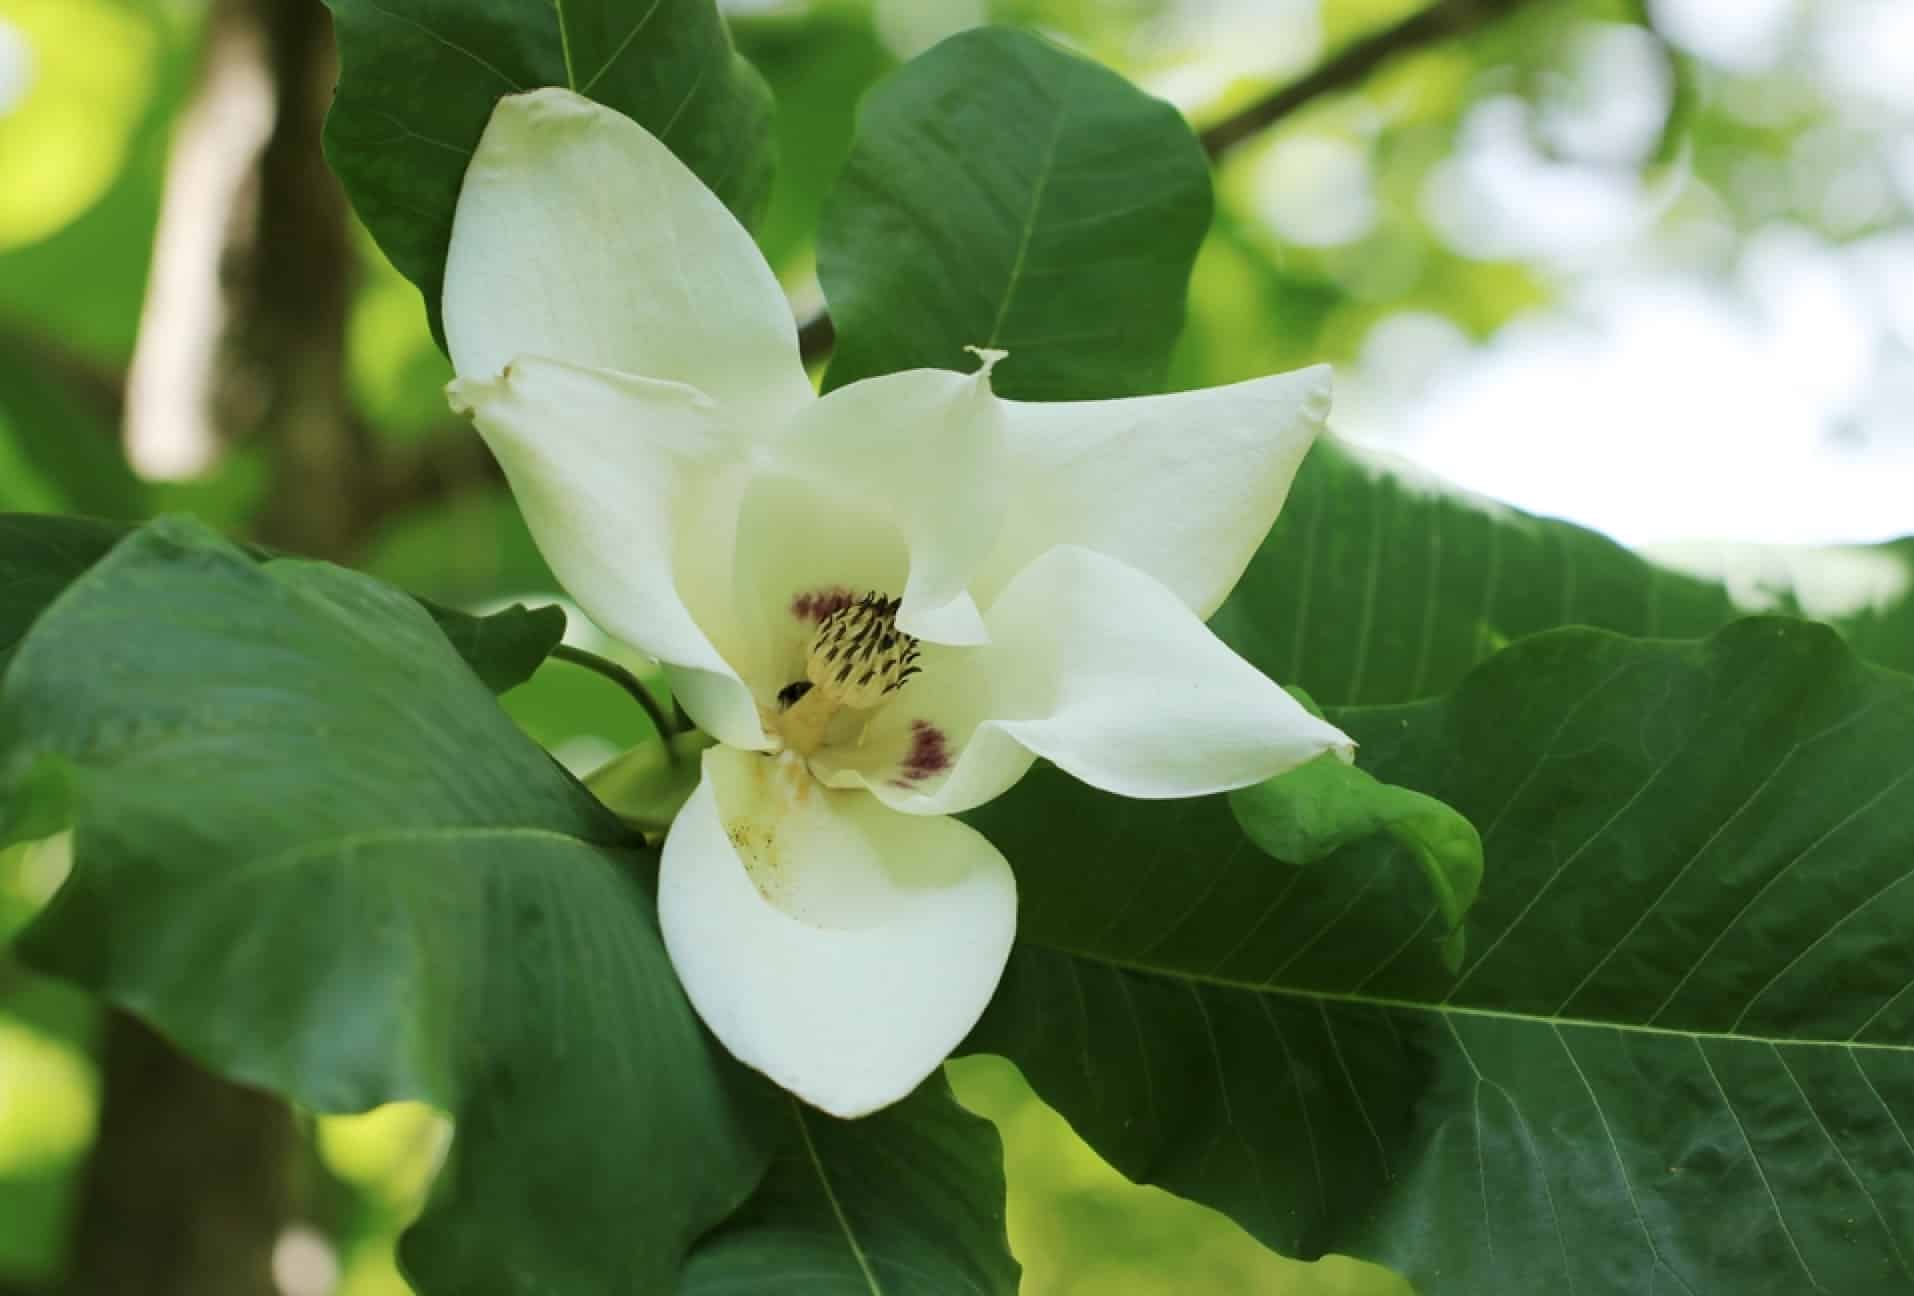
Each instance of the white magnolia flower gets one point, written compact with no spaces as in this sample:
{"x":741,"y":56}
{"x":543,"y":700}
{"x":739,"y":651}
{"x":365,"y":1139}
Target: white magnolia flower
{"x":885,"y":603}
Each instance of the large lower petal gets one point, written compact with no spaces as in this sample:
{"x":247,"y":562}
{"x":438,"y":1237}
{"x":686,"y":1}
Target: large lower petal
{"x":839,"y":947}
{"x":579,"y":235}
{"x":626,"y":485}
{"x":1099,"y":669}
{"x":1181,"y":487}
{"x":925,"y":448}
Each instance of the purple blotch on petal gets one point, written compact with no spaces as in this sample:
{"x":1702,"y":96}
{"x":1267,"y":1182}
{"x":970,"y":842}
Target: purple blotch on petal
{"x":929,"y":753}
{"x":817,"y":605}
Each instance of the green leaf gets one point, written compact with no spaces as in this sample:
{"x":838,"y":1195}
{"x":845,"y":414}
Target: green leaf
{"x":1004,"y":193}
{"x":906,"y":1202}
{"x":502,"y":649}
{"x":1380,"y":584}
{"x":41,"y":554}
{"x":1680,"y":1056}
{"x":69,"y":442}
{"x":312,"y":851}
{"x":1308,"y":813}
{"x":418,"y":80}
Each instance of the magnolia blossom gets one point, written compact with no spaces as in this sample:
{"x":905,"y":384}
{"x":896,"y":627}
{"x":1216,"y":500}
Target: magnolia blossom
{"x":884,"y":603}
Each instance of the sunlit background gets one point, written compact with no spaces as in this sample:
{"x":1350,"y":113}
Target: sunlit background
{"x":1649,"y":267}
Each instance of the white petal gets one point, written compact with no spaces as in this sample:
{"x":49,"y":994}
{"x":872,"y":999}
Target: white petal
{"x":932,"y":749}
{"x":1106,"y":674}
{"x":839,"y":947}
{"x":579,"y":235}
{"x":625,"y":484}
{"x":1181,"y":487}
{"x":802,"y":552}
{"x":1099,"y":669}
{"x":926,"y":449}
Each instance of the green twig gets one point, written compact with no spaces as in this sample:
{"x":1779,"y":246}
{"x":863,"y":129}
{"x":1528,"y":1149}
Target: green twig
{"x":625,"y":680}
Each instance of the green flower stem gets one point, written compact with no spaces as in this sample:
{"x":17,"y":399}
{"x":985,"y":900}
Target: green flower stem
{"x":625,"y":680}
{"x":648,"y":785}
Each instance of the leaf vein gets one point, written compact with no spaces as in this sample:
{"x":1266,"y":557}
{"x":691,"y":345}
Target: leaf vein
{"x":450,"y":44}
{"x":1755,"y":1159}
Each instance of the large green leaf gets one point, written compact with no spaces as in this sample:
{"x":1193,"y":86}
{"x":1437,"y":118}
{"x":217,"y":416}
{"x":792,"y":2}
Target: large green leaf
{"x":418,"y":79}
{"x":41,"y":554}
{"x":1680,"y":1056}
{"x":1003,"y":193}
{"x":1379,"y":584}
{"x":907,"y":1202}
{"x":311,"y":850}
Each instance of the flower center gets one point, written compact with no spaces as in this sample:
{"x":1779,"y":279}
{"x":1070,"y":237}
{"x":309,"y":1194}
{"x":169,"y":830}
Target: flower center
{"x":856,"y":658}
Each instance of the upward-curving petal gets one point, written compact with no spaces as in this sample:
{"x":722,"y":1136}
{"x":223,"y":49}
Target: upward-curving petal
{"x":626,"y":483}
{"x":578,"y":235}
{"x":1181,"y":487}
{"x":925,"y":448}
{"x":839,"y":947}
{"x":1100,"y":670}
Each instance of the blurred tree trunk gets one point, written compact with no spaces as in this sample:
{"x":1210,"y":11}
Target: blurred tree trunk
{"x":193,"y":1180}
{"x":191,"y":1183}
{"x":289,"y":338}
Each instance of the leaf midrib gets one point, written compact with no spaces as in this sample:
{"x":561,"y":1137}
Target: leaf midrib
{"x":830,"y":1195}
{"x":1446,"y":1010}
{"x":1042,"y":185}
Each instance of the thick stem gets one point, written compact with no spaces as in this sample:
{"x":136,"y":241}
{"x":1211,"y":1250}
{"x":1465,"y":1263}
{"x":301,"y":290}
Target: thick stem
{"x":290,"y":325}
{"x":192,"y":1179}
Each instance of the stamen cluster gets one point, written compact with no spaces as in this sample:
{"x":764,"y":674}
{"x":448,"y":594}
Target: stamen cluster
{"x":858,"y":654}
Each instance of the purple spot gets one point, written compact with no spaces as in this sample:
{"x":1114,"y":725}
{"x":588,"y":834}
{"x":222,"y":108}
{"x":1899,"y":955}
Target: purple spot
{"x":929,"y":753}
{"x":815,"y":605}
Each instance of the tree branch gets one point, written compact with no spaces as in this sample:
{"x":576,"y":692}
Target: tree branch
{"x":287,"y":383}
{"x":99,"y":386}
{"x":440,"y":468}
{"x":1443,"y":20}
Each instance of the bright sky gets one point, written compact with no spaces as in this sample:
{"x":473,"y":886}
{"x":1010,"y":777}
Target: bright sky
{"x":1658,"y":407}
{"x":1772,"y":400}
